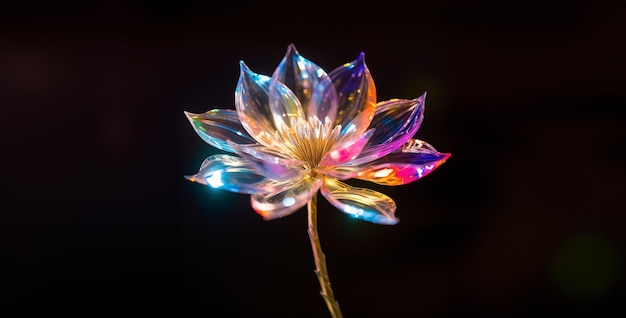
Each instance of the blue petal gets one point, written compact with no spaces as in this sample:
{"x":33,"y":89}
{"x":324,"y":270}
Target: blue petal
{"x":233,"y":174}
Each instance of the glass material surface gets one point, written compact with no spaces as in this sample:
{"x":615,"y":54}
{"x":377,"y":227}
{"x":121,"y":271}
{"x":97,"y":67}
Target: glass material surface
{"x":302,"y":130}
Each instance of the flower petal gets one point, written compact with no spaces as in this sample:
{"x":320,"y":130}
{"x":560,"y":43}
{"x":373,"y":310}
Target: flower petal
{"x":341,"y":172}
{"x":284,"y":104}
{"x":413,"y":162}
{"x":347,"y":150}
{"x":233,"y":174}
{"x":312,"y":86}
{"x":269,"y":154}
{"x":396,"y":121}
{"x":356,"y":93}
{"x":276,"y":205}
{"x":218,"y":126}
{"x":253,"y":107}
{"x":270,"y":166}
{"x":365,"y":204}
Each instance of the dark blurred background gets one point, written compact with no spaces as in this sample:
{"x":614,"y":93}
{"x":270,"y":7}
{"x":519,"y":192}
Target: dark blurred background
{"x":524,"y":220}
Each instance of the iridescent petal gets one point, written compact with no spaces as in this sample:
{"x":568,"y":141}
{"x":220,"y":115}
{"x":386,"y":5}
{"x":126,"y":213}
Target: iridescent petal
{"x":218,"y":126}
{"x":341,"y":172}
{"x":270,"y":166}
{"x":356,"y":93}
{"x":414,"y":161}
{"x":310,"y":83}
{"x":347,"y":150}
{"x":365,"y":204}
{"x":252,"y":104}
{"x":233,"y":174}
{"x":396,"y":121}
{"x":284,"y":104}
{"x":276,"y":205}
{"x":269,"y":154}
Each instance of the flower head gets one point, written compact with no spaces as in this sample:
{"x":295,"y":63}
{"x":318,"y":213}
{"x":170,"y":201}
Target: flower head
{"x":303,"y":130}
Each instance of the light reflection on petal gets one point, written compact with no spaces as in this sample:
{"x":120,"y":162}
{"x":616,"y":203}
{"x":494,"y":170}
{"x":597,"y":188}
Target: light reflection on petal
{"x":284,"y":104}
{"x":269,"y":154}
{"x":233,"y":174}
{"x":310,"y":83}
{"x":302,"y":129}
{"x":252,"y":104}
{"x":356,"y":93}
{"x":292,"y":198}
{"x":340,"y":172}
{"x":347,"y":150}
{"x":364,"y":204}
{"x":396,"y":121}
{"x":218,"y":126}
{"x":272,"y":167}
{"x":413,"y":162}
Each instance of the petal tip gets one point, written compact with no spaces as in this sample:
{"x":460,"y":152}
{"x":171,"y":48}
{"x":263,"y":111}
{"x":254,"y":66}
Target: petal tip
{"x":291,"y":49}
{"x":190,"y":115}
{"x":243,"y":67}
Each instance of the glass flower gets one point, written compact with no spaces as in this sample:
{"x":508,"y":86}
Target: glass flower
{"x":303,"y":130}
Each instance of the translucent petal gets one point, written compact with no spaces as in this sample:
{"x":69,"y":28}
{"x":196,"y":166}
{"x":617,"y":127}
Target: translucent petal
{"x":356,"y":93}
{"x":218,"y":126}
{"x":310,"y":83}
{"x":276,"y":205}
{"x":269,"y":154}
{"x":272,"y":167}
{"x":284,"y":104}
{"x":365,"y":204}
{"x":347,"y":150}
{"x":414,"y":161}
{"x":396,"y":121}
{"x":252,"y":104}
{"x":233,"y":174}
{"x":340,"y":172}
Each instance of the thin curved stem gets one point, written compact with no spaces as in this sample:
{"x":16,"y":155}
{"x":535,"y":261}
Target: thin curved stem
{"x":320,"y":261}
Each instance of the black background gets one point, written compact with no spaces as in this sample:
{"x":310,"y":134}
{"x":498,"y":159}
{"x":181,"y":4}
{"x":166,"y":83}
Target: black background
{"x":524,"y":220}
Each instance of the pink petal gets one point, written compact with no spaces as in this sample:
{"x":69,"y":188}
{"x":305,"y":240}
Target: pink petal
{"x":347,"y":150}
{"x":413,"y":162}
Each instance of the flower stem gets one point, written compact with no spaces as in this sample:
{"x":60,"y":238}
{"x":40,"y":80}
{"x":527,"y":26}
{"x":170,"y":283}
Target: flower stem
{"x":320,"y":261}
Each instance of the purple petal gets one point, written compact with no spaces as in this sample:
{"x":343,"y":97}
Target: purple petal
{"x":356,"y":93}
{"x":396,"y":121}
{"x":413,"y":162}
